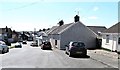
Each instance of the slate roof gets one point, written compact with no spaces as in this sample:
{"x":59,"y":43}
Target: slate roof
{"x":97,"y":29}
{"x":113,"y":29}
{"x":58,"y":29}
{"x":51,"y":29}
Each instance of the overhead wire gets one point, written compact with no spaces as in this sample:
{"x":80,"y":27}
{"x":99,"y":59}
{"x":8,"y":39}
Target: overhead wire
{"x":21,"y":7}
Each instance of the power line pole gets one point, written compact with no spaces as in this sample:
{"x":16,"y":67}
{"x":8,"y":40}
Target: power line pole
{"x":34,"y":33}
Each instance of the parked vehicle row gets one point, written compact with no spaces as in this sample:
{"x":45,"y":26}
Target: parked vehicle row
{"x":3,"y":47}
{"x":34,"y":44}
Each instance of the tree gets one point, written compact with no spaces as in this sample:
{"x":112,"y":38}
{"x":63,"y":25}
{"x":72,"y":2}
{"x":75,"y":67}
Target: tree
{"x":40,"y":30}
{"x":14,"y":31}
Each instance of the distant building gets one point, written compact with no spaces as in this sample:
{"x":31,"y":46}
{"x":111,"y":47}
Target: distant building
{"x":5,"y":33}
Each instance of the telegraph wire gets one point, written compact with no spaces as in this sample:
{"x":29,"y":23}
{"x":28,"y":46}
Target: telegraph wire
{"x":24,"y":6}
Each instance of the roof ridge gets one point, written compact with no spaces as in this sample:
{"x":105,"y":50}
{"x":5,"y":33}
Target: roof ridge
{"x":66,"y":28}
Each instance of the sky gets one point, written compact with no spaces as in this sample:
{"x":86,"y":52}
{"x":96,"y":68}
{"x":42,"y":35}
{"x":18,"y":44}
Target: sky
{"x":21,"y":15}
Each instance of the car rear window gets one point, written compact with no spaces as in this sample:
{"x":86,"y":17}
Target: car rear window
{"x":47,"y":43}
{"x":78,"y":44}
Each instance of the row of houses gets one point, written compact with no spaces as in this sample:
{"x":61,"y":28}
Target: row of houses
{"x":93,"y":36}
{"x":11,"y":36}
{"x":6,"y":34}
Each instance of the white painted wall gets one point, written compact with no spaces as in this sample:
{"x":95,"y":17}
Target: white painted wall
{"x":52,"y":40}
{"x":113,"y":41}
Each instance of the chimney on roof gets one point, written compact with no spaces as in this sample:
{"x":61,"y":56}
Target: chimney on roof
{"x":76,"y":18}
{"x":61,"y":22}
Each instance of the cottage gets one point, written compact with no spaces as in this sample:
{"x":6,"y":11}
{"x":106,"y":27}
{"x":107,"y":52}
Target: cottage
{"x":61,"y":35}
{"x":110,"y":38}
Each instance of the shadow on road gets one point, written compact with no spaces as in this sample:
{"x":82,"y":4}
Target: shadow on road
{"x":87,"y":56}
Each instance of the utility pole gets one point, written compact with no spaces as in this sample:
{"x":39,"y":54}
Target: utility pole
{"x":34,"y":33}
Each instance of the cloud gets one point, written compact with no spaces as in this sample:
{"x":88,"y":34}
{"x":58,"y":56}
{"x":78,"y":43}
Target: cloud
{"x":95,"y":8}
{"x":92,"y":17}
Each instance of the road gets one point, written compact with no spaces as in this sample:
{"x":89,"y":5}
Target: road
{"x":34,"y":57}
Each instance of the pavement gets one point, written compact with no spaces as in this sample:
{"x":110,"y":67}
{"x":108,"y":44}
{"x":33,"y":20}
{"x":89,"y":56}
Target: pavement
{"x":105,"y":57}
{"x":104,"y":53}
{"x":110,"y":58}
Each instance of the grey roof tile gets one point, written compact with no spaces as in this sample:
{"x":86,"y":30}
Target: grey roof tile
{"x":97,"y":29}
{"x":113,"y":29}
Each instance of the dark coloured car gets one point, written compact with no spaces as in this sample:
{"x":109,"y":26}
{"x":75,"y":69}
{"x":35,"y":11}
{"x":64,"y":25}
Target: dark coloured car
{"x":24,"y":42}
{"x":76,"y":49}
{"x":34,"y":44}
{"x":46,"y":45}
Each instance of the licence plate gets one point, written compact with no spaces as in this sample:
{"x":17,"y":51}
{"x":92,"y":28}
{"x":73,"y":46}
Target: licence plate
{"x":78,"y":52}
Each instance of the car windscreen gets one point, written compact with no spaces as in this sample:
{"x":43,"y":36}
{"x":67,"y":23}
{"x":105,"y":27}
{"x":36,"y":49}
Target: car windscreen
{"x":47,"y":43}
{"x":78,"y":44}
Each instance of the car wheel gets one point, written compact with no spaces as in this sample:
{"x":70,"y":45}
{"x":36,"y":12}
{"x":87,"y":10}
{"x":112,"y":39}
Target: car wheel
{"x":70,"y":55}
{"x":3,"y":51}
{"x":7,"y":49}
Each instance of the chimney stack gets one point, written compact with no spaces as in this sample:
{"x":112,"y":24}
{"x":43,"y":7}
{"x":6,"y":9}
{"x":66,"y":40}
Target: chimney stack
{"x":61,"y":23}
{"x":76,"y":18}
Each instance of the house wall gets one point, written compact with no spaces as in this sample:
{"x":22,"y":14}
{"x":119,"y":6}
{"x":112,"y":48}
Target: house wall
{"x":78,"y":32}
{"x":52,"y":40}
{"x":113,"y":41}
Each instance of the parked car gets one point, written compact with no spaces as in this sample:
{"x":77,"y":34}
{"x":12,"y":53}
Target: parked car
{"x":30,"y":39}
{"x":18,"y":45}
{"x":76,"y":48}
{"x":46,"y":45}
{"x":20,"y":40}
{"x":24,"y":42}
{"x":3,"y":47}
{"x":34,"y":44}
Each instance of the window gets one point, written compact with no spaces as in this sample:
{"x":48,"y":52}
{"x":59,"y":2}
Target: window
{"x":78,"y":44}
{"x":107,"y":38}
{"x":55,"y":42}
{"x":119,"y":40}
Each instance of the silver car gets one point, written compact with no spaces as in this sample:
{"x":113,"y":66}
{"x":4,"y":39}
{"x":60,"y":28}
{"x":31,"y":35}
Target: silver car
{"x":3,"y":47}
